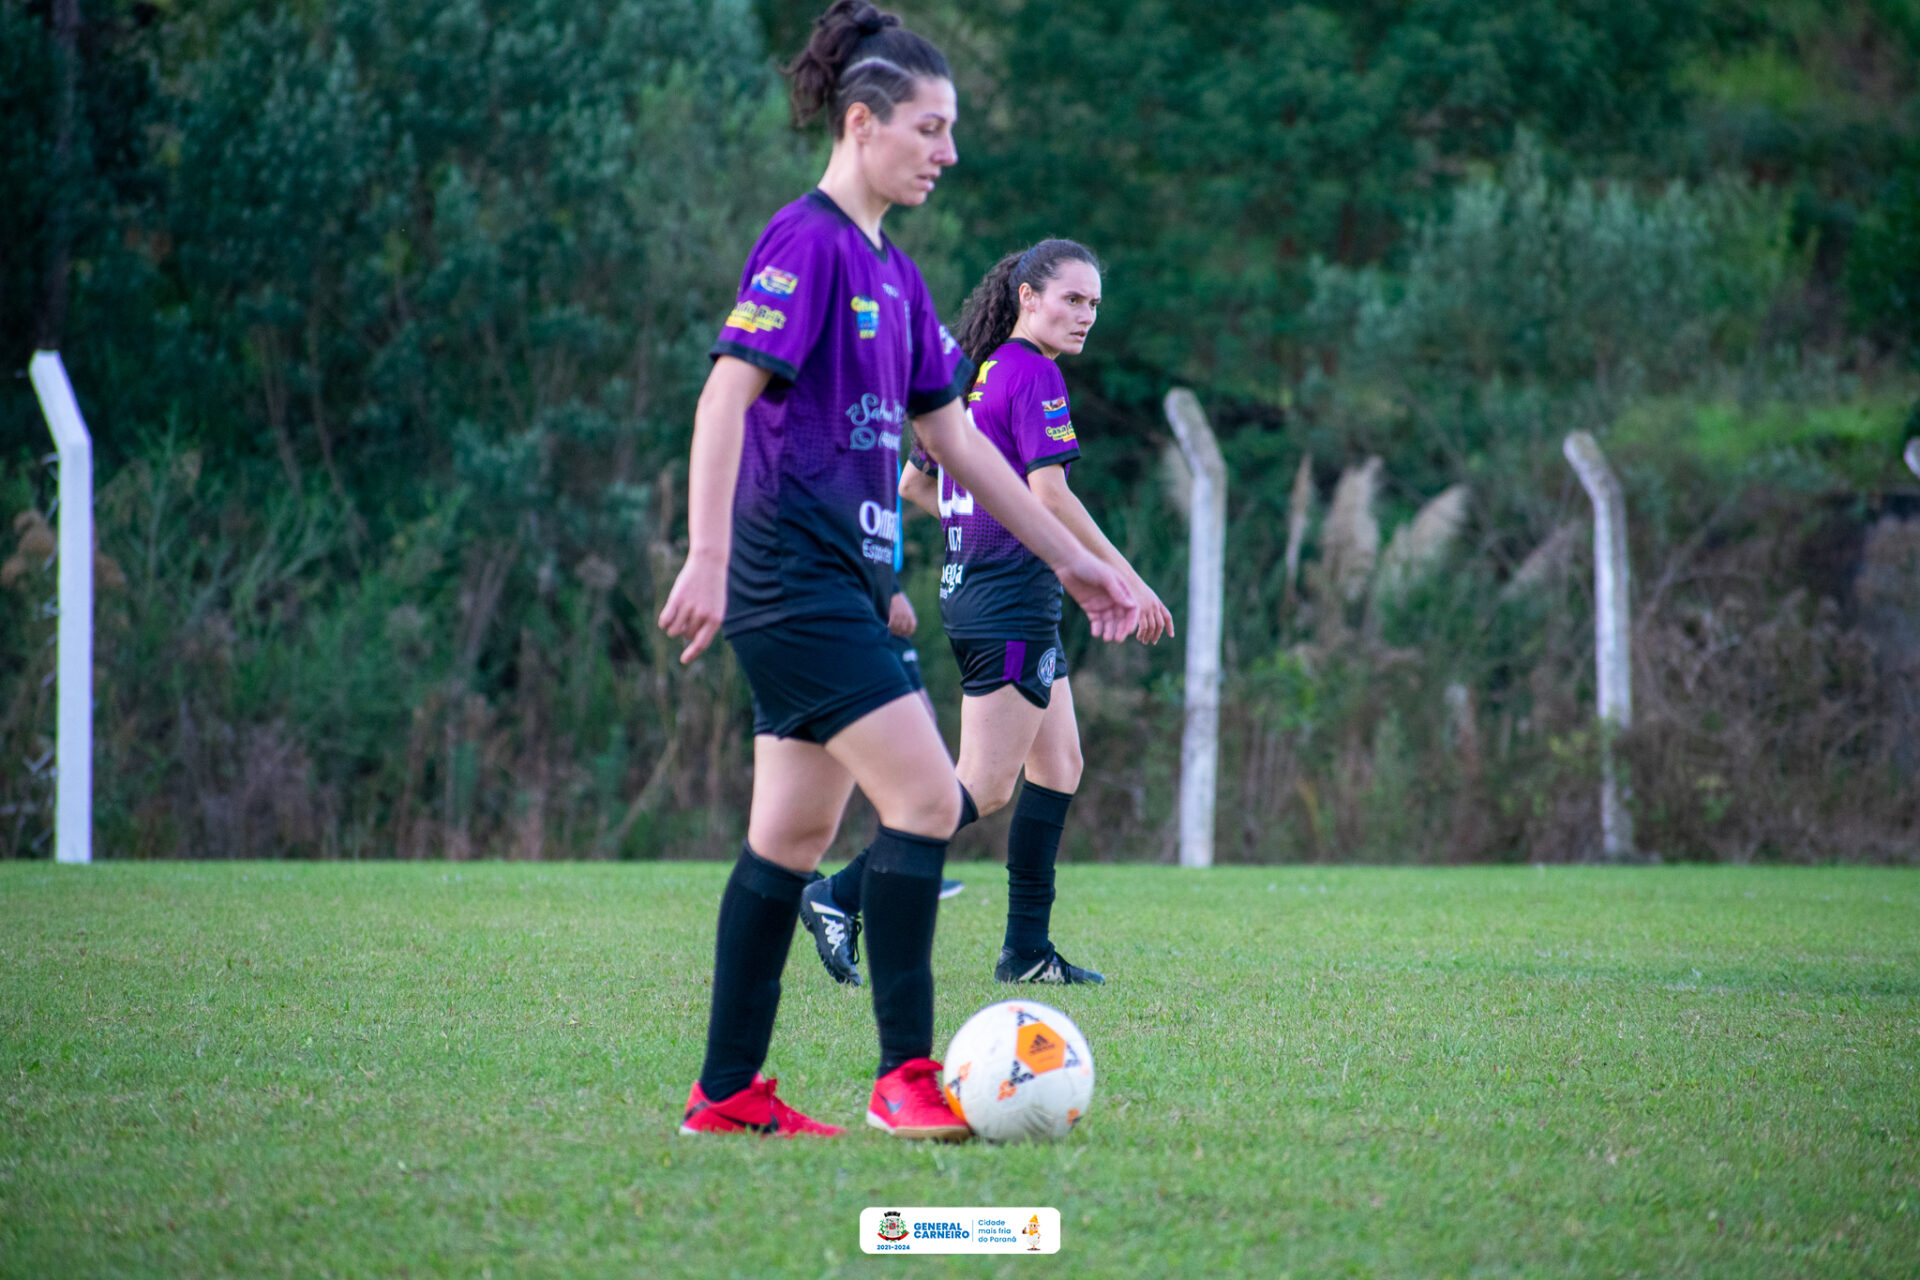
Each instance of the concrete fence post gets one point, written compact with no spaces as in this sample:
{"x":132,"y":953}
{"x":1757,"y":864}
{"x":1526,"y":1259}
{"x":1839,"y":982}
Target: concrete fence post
{"x":73,"y":678}
{"x":1206,"y":563}
{"x":1612,"y":633}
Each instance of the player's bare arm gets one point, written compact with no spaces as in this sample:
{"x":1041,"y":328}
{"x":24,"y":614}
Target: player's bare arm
{"x":1050,"y":485}
{"x":698,"y":602}
{"x":921,"y":489}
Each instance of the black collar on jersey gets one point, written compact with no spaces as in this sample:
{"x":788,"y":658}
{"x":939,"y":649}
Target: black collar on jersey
{"x":1029,"y":346}
{"x":826,"y":201}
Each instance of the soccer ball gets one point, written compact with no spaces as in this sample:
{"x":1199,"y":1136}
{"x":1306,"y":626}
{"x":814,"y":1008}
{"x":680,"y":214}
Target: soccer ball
{"x":1018,"y":1070}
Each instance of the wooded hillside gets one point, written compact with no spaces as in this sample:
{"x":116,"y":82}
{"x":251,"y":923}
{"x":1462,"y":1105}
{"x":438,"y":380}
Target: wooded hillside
{"x":388,"y":320}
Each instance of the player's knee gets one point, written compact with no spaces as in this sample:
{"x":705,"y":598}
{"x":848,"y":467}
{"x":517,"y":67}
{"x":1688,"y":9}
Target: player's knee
{"x":933,"y":811}
{"x":796,"y":843}
{"x":945,"y":817}
{"x":1059,"y":769}
{"x":992,"y":795}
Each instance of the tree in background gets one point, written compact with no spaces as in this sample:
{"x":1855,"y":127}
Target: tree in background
{"x":389,"y":322}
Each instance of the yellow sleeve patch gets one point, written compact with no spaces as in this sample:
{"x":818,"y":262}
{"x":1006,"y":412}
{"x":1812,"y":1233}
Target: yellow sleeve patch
{"x":754,"y":318}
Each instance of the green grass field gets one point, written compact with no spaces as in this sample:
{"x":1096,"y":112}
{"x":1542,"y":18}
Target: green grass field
{"x":425,"y":1069}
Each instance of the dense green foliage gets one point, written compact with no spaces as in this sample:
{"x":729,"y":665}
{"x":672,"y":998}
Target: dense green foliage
{"x":389,"y":323}
{"x":238,"y":1070}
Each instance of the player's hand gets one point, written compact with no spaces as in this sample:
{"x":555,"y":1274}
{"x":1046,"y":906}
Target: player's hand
{"x":900,"y":618}
{"x":1156,"y":620}
{"x":1103,"y":593}
{"x":697,"y":604}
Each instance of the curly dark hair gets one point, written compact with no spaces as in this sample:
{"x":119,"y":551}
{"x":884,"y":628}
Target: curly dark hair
{"x":993,"y":307}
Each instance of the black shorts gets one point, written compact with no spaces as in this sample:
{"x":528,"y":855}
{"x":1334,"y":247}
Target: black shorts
{"x":909,"y":659}
{"x":1030,"y":665}
{"x":812,"y":677}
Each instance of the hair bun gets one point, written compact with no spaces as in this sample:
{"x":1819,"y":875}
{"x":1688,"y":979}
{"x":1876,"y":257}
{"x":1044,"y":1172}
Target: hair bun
{"x":875,"y":22}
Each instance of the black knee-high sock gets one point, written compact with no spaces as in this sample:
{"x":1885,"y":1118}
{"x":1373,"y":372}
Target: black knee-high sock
{"x":845,"y":883}
{"x":757,"y":912}
{"x":902,"y":897}
{"x":1033,"y":840}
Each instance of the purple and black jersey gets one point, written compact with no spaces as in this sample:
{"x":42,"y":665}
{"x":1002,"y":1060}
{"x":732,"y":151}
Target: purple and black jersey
{"x":992,"y":586}
{"x":855,"y":348}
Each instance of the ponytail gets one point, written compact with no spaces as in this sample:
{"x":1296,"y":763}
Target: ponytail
{"x":993,"y":308}
{"x":858,"y":54}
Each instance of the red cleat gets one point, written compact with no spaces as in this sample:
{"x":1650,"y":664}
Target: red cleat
{"x":908,"y":1102}
{"x":755,"y":1109}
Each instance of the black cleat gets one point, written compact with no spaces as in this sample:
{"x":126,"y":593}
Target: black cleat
{"x":1050,"y":967}
{"x":951,"y":889}
{"x":836,"y":935}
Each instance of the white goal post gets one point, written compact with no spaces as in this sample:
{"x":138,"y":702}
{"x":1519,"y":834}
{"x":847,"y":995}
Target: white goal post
{"x":73,"y":679}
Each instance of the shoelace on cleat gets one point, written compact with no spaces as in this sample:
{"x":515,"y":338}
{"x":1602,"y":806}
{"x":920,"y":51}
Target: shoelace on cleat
{"x":779,"y":1110}
{"x":761,"y":1088}
{"x":921,"y":1079}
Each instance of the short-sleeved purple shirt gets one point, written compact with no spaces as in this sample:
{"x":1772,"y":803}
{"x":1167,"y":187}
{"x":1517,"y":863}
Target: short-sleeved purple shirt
{"x":855,"y":348}
{"x":993,"y":588}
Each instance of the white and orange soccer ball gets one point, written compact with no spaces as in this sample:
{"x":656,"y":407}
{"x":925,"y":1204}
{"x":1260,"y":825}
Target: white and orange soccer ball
{"x":1019,"y":1070}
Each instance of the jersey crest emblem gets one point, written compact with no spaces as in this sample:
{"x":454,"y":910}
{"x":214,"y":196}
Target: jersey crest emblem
{"x":866,"y":312}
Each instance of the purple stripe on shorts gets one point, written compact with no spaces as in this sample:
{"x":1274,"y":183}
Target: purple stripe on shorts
{"x":1016,"y":659}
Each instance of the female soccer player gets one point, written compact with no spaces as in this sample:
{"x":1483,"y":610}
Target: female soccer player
{"x":833,"y":341}
{"x":1001,"y":605}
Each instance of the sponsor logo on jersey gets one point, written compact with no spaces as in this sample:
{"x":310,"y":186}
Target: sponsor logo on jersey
{"x":979,"y":379}
{"x":751,"y":317}
{"x":891,"y":291}
{"x":774,"y":282}
{"x":871,"y":408}
{"x":860,"y":439}
{"x":950,"y":576}
{"x":947,"y":343}
{"x":877,"y":521}
{"x":1054,"y":408}
{"x":867,"y":313}
{"x":871,"y":416}
{"x":1062,"y":433}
